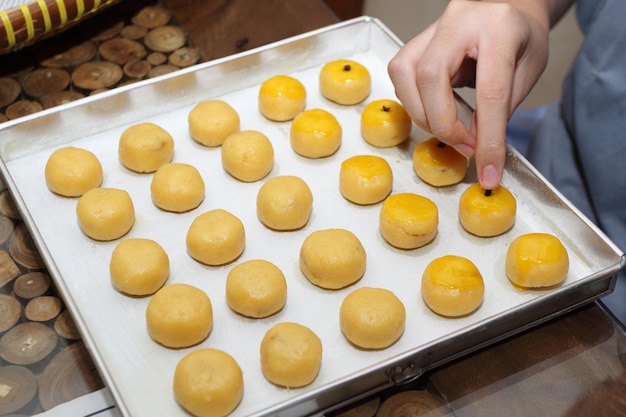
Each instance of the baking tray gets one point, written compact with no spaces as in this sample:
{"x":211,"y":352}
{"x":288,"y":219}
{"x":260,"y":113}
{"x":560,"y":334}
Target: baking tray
{"x":139,"y":372}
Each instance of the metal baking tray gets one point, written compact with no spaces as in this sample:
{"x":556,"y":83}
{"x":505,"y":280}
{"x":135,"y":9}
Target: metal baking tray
{"x":139,"y":372}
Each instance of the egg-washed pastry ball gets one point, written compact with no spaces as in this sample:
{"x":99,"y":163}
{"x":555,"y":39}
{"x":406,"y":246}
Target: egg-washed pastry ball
{"x":284,"y":202}
{"x":365,"y":179}
{"x":105,"y":213}
{"x":372,"y":318}
{"x":408,"y":220}
{"x":536,"y":260}
{"x":248,"y":155}
{"x":452,"y":286}
{"x":139,"y":266}
{"x":345,"y":81}
{"x":179,"y":316}
{"x":332,"y":258}
{"x":281,"y":98}
{"x":291,"y":355}
{"x":438,"y":164}
{"x":72,"y":171}
{"x":256,"y":288}
{"x":208,"y":382}
{"x":177,"y":187}
{"x":315,"y":133}
{"x":144,"y":147}
{"x":487,"y":213}
{"x":385,"y":123}
{"x":212,"y":121}
{"x":216,"y":237}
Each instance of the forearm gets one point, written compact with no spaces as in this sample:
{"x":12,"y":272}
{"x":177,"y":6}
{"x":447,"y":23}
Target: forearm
{"x":547,"y":12}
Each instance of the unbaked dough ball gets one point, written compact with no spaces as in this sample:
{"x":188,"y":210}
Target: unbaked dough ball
{"x":438,"y":164}
{"x":281,"y":98}
{"x":536,"y":260}
{"x":105,"y":213}
{"x":372,"y":318}
{"x":345,"y":82}
{"x":248,"y":155}
{"x":144,"y":147}
{"x":385,"y":123}
{"x":256,"y":288}
{"x":72,"y":171}
{"x":408,"y":221}
{"x":212,"y":121}
{"x":315,"y":133}
{"x":208,"y":383}
{"x":216,"y":237}
{"x":487,"y":213}
{"x":291,"y":355}
{"x":139,"y":266}
{"x":332,"y":258}
{"x":365,"y":179}
{"x":177,"y":187}
{"x":284,"y":202}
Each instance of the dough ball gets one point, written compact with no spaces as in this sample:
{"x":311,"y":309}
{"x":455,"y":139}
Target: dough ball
{"x":281,"y":98}
{"x":179,"y":316}
{"x":208,"y":383}
{"x":177,"y":187}
{"x":105,"y":213}
{"x":438,"y":164}
{"x":216,"y":237}
{"x":315,"y":133}
{"x":332,"y":258}
{"x":291,"y":355}
{"x":408,"y":221}
{"x":452,"y":286}
{"x":365,"y":179}
{"x":248,"y":155}
{"x":144,"y":147}
{"x":284,"y":203}
{"x":385,"y":123}
{"x":487,"y":213}
{"x":139,"y":266}
{"x":536,"y":260}
{"x":372,"y":318}
{"x":212,"y":121}
{"x":345,"y":82}
{"x":71,"y":171}
{"x":256,"y":288}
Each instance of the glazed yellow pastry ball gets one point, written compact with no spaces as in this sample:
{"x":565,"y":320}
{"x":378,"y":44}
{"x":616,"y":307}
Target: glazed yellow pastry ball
{"x":291,"y":355}
{"x":139,"y":266}
{"x":536,"y":260}
{"x":179,"y":315}
{"x":256,"y":288}
{"x":385,"y":123}
{"x":452,"y":286}
{"x":284,"y":202}
{"x":315,"y":133}
{"x":408,"y":221}
{"x":487,"y":213}
{"x":72,"y":171}
{"x":438,"y":164}
{"x":105,"y":213}
{"x":345,"y":82}
{"x":248,"y":155}
{"x":208,"y":383}
{"x":365,"y":179}
{"x":216,"y":237}
{"x":144,"y":147}
{"x":212,"y":121}
{"x":281,"y":98}
{"x":177,"y":187}
{"x":332,"y":258}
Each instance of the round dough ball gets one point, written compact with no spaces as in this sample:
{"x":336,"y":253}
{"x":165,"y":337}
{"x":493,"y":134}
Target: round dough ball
{"x":139,"y":266}
{"x":408,"y":221}
{"x":438,"y":164}
{"x":144,"y":147}
{"x":452,"y":286}
{"x":385,"y":123}
{"x":212,"y":121}
{"x":248,"y":155}
{"x":177,"y":187}
{"x":281,"y":98}
{"x":105,"y":213}
{"x":179,"y":316}
{"x":315,"y":133}
{"x":208,"y":383}
{"x":256,"y":288}
{"x":345,"y":82}
{"x":291,"y":355}
{"x":216,"y":237}
{"x":71,"y":171}
{"x":365,"y":179}
{"x":487,"y":213}
{"x":284,"y":203}
{"x":536,"y":260}
{"x":372,"y":318}
{"x":332,"y":258}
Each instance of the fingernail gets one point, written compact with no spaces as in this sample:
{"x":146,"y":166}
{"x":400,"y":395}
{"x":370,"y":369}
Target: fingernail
{"x":490,"y":177}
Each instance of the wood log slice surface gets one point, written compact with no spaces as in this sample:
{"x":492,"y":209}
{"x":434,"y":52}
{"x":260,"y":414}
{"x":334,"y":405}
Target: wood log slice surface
{"x":18,"y":386}
{"x":122,"y":50}
{"x":59,"y":98}
{"x":31,"y":285}
{"x":10,"y":312}
{"x":63,"y":57}
{"x":165,"y":38}
{"x":65,"y":326}
{"x":43,"y":308}
{"x":6,"y":228}
{"x":9,"y":91}
{"x":413,"y":403}
{"x":95,"y":75}
{"x":137,"y":69}
{"x":23,"y":250}
{"x":151,"y":17}
{"x":45,"y":81}
{"x":8,"y":268}
{"x":27,"y":343}
{"x":21,"y":108}
{"x":8,"y":207}
{"x":184,"y":57}
{"x":134,"y":32}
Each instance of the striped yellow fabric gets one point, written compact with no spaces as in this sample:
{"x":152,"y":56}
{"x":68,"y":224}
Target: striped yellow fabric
{"x":46,"y":14}
{"x":28,"y":19}
{"x":8,"y":27}
{"x":62,"y":12}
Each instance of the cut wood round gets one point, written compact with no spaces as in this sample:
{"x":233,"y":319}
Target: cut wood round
{"x":8,"y":269}
{"x":10,"y":313}
{"x":9,"y":91}
{"x":151,"y":17}
{"x":108,"y":32}
{"x":45,"y":81}
{"x":7,"y":206}
{"x":65,"y":326}
{"x":95,"y":75}
{"x":31,"y":285}
{"x":28,"y":343}
{"x":184,"y":57}
{"x":44,"y":308}
{"x":165,"y":39}
{"x":64,"y":57}
{"x":134,"y":32}
{"x":6,"y":228}
{"x":18,"y":386}
{"x":22,"y":108}
{"x":23,"y":250}
{"x":62,"y":97}
{"x":161,"y":70}
{"x":364,"y":409}
{"x":122,"y":50}
{"x":137,"y":68}
{"x":3,"y":117}
{"x":413,"y":403}
{"x":156,"y":58}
